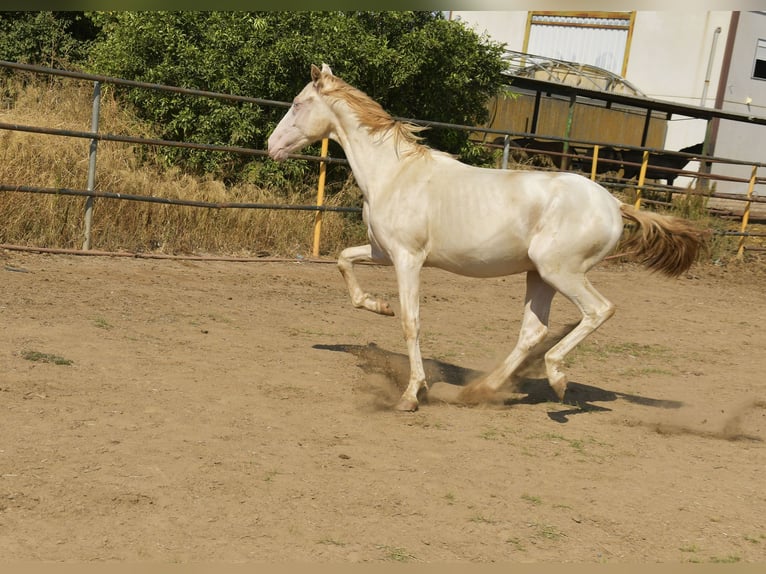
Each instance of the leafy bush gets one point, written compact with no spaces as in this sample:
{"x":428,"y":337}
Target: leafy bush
{"x":54,"y":39}
{"x":416,"y":64}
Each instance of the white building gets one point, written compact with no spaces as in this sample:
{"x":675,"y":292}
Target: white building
{"x":713,"y":59}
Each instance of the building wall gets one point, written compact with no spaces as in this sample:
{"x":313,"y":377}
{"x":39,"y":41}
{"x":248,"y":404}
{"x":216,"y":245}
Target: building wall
{"x":506,"y":26}
{"x":589,"y":122}
{"x":669,"y":58}
{"x":736,"y":140}
{"x":670,"y":52}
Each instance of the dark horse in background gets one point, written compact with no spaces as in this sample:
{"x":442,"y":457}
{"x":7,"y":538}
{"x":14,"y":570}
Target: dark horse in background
{"x":536,"y":152}
{"x":660,"y":164}
{"x":610,"y":159}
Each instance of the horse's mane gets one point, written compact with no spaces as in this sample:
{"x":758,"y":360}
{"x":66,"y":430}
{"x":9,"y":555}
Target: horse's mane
{"x":372,"y":116}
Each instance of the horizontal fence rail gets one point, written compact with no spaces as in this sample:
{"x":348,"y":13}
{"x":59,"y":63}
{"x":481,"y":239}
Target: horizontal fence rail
{"x":157,"y":142}
{"x":572,"y":151}
{"x":137,"y":84}
{"x":173,"y":201}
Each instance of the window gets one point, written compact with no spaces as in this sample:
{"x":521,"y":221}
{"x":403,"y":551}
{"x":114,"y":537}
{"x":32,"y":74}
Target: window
{"x":599,"y":39}
{"x":759,"y":69}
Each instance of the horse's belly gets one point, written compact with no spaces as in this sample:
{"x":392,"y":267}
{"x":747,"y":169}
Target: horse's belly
{"x":476,"y":265}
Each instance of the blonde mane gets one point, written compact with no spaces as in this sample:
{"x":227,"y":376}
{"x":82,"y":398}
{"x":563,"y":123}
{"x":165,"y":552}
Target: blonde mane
{"x":372,"y":115}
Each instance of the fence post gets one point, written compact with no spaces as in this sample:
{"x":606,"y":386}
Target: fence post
{"x":92,"y":163}
{"x":320,"y":199}
{"x":570,"y":119}
{"x":641,"y":177}
{"x":506,"y":150}
{"x":594,"y":165}
{"x":746,"y":213}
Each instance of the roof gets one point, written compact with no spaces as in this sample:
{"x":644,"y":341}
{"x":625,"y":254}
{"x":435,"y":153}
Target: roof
{"x":548,"y":75}
{"x":569,"y":73}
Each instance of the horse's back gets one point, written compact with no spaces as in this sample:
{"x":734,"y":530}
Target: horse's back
{"x":485,"y":222}
{"x":490,"y":199}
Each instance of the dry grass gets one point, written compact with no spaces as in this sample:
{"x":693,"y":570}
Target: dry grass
{"x":58,"y":221}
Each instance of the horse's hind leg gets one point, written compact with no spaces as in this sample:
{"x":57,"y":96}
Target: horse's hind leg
{"x":534,"y":328}
{"x":595,"y":309}
{"x":359,"y":298}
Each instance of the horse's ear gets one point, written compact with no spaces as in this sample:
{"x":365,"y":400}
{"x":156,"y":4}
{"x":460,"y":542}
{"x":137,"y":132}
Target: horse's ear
{"x":315,"y":73}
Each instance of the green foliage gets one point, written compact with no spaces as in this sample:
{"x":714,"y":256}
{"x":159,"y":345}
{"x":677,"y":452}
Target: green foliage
{"x":416,"y":64}
{"x":476,"y":154}
{"x":54,"y":39}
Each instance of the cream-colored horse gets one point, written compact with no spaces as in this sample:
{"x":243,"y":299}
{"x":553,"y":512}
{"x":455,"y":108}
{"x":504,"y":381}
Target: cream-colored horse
{"x":424,"y":208}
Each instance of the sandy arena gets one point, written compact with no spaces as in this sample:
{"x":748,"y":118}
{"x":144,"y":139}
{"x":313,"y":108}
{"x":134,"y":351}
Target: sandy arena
{"x":187,"y":411}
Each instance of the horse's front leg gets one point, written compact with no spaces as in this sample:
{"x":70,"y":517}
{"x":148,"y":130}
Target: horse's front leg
{"x":408,"y":279}
{"x":359,"y":298}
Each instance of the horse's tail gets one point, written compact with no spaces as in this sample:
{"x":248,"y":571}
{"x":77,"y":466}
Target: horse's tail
{"x":662,"y":243}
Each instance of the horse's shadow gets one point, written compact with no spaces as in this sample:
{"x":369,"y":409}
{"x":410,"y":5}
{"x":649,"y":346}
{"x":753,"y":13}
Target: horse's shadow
{"x":395,"y":367}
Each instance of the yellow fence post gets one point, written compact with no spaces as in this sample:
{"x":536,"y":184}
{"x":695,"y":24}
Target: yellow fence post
{"x":641,"y":177}
{"x":746,"y":213}
{"x":595,"y":163}
{"x":320,"y":199}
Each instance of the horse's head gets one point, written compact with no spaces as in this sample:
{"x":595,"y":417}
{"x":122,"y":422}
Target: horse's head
{"x":309,"y":119}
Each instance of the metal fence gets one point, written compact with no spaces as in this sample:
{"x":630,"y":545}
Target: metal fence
{"x":569,"y":153}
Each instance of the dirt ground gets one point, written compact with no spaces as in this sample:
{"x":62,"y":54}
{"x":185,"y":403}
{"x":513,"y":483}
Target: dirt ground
{"x":186,"y":411}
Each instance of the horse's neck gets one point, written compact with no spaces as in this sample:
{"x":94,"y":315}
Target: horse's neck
{"x":373,"y":157}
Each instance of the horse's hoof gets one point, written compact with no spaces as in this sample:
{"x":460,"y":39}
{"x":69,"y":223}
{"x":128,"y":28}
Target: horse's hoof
{"x":406,"y":405}
{"x":385,"y":309}
{"x":560,"y":389}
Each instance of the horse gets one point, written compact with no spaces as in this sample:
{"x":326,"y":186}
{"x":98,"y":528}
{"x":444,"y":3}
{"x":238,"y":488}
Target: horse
{"x":422,"y":207}
{"x":661,"y":165}
{"x":541,"y":153}
{"x":609,"y":160}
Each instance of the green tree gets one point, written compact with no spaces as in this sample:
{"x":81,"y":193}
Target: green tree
{"x":416,"y":64}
